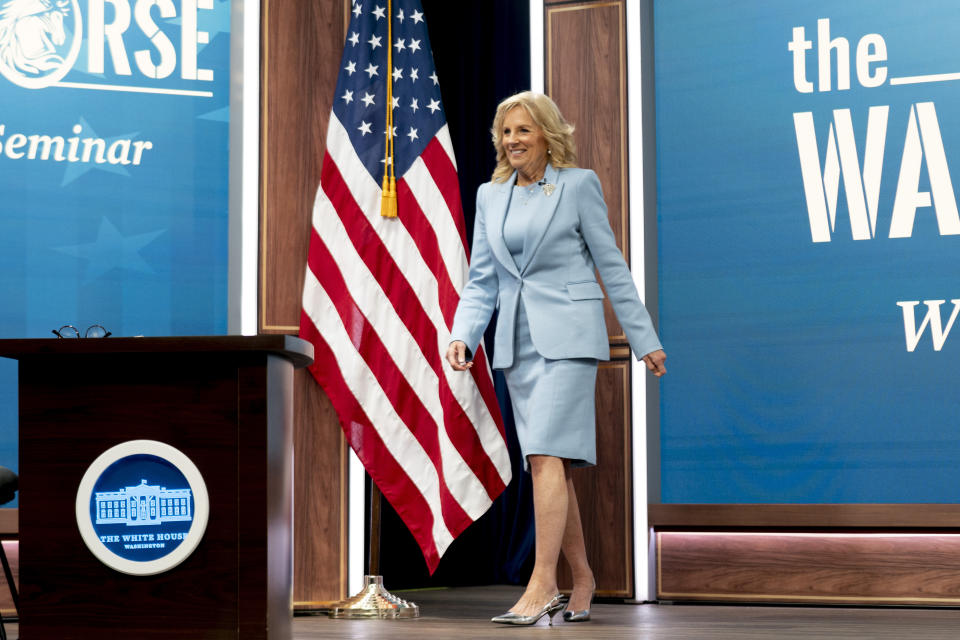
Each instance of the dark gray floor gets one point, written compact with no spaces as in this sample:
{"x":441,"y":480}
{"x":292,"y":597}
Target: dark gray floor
{"x":465,"y":613}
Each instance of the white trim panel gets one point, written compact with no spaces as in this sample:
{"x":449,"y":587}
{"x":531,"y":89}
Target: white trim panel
{"x":641,"y":570}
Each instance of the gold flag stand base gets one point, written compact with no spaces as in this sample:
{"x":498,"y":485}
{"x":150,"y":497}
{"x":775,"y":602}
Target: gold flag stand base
{"x":374,"y":601}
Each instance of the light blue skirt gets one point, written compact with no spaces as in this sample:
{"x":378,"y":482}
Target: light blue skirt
{"x":553,"y":401}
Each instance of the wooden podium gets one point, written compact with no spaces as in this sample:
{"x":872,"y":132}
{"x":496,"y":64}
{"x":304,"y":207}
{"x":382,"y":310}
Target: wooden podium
{"x":226,"y":403}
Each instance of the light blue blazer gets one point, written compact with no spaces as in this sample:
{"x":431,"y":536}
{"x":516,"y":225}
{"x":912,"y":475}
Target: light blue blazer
{"x":568,"y":242}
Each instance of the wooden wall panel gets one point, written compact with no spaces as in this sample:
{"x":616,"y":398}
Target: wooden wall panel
{"x":816,"y":553}
{"x":586,"y":77}
{"x":301,"y":43}
{"x":320,"y":498}
{"x":301,"y":47}
{"x":810,"y":567}
{"x":603,"y":491}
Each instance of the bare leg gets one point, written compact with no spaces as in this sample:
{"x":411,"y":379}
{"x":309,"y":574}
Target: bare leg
{"x":550,"y":495}
{"x":574,"y":550}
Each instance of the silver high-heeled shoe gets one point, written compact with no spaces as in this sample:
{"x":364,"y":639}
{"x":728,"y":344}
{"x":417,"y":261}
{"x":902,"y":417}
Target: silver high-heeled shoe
{"x":549,"y":610}
{"x":576,"y":616}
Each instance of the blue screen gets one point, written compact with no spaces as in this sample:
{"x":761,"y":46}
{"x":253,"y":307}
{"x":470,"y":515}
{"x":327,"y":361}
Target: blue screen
{"x":807,"y":157}
{"x":114,"y":161}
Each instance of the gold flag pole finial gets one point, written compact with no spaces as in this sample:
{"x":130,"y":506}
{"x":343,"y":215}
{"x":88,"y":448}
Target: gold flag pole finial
{"x":388,"y":198}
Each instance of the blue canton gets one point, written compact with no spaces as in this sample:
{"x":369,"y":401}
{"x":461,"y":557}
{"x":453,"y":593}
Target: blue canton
{"x":360,"y":101}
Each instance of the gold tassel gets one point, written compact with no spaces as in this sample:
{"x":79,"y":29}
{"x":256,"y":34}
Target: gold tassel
{"x":388,"y":200}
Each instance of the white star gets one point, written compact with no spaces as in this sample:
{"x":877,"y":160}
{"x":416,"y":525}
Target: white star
{"x":354,"y":38}
{"x":397,"y":73}
{"x":414,"y":105}
{"x":393,"y":131}
{"x":396,"y":101}
{"x":400,"y":16}
{"x":399,"y":46}
{"x":434,"y":106}
{"x":372,"y":70}
{"x":348,"y":97}
{"x":416,"y":16}
{"x":364,"y":128}
{"x":367,"y":99}
{"x":356,"y":10}
{"x":350,"y":68}
{"x":433,"y":76}
{"x":414,"y":45}
{"x":414,"y":75}
{"x":378,"y":12}
{"x":374,"y":41}
{"x":412,"y":134}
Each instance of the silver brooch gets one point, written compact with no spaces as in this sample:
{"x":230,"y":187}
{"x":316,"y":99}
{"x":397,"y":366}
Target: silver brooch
{"x":548,"y":189}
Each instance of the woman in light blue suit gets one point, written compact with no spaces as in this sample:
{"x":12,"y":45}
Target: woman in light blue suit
{"x":541,"y":233}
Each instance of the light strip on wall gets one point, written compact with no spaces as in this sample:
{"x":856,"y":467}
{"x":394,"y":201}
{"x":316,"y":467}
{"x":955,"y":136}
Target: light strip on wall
{"x":244,"y":196}
{"x":641,"y":534}
{"x":356,"y":524}
{"x":537,"y":79}
{"x":251,"y":166}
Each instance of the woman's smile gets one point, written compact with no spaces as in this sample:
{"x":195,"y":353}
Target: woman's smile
{"x":525,"y":145}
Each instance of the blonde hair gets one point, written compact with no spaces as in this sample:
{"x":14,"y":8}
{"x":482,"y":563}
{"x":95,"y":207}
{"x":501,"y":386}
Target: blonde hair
{"x":557,"y":132}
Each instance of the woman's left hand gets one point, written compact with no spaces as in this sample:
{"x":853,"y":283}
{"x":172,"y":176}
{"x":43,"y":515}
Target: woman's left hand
{"x":457,"y":356}
{"x":654,"y":361}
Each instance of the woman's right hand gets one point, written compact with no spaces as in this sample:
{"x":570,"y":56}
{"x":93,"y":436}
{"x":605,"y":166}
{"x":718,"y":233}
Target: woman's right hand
{"x":654,"y":361}
{"x":457,"y":356}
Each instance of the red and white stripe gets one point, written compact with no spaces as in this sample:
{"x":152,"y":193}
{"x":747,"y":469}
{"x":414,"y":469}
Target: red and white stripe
{"x":378,"y":303}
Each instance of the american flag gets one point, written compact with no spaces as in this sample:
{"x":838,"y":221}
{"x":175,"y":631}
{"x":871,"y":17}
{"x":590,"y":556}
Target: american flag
{"x":380,"y":293}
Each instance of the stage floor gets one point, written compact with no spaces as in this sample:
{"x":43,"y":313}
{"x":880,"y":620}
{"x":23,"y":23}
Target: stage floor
{"x":465,"y":613}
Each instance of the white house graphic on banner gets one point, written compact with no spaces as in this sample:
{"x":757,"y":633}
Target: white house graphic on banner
{"x":143,"y":505}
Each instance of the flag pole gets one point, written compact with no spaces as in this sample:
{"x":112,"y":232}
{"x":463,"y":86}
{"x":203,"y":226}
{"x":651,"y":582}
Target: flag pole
{"x":373,"y":558}
{"x":373,"y":601}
